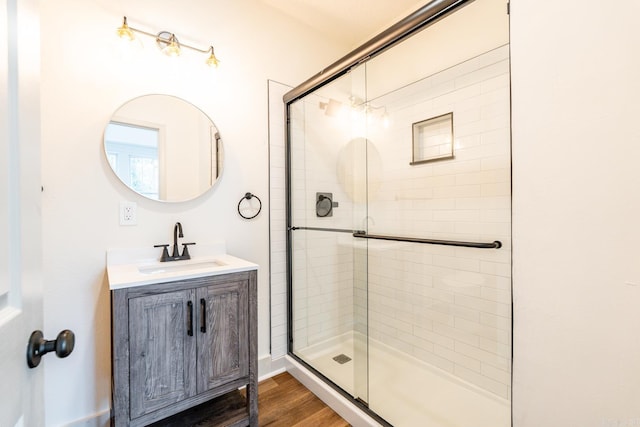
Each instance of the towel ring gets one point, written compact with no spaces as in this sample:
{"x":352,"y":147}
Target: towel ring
{"x":249,"y":196}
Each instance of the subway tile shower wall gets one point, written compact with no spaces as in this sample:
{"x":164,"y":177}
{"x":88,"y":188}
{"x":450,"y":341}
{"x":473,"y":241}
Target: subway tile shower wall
{"x":446,"y":306}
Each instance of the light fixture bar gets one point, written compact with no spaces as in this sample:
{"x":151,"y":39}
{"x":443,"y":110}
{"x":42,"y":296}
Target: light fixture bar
{"x":167,"y":39}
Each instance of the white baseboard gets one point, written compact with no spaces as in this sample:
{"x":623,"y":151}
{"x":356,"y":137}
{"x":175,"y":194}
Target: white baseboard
{"x":268,"y":367}
{"x":100,"y":419}
{"x":342,"y":406}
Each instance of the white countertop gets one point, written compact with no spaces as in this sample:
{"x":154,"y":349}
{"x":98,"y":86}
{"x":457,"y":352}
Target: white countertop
{"x":142,"y":266}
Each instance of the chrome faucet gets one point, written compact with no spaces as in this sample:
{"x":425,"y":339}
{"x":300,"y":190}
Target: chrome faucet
{"x":175,"y":255}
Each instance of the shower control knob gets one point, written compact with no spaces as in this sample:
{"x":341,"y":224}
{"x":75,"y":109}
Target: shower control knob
{"x":38,"y":346}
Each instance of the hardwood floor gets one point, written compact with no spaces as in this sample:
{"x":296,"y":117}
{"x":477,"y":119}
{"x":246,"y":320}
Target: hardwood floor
{"x":282,"y":402}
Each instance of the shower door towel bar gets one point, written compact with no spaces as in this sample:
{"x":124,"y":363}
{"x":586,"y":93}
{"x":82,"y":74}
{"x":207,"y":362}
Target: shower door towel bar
{"x":493,"y":245}
{"x":363,"y":235}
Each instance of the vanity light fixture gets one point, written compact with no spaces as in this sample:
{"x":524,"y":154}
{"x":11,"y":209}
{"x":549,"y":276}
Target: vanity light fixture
{"x":166,"y":41}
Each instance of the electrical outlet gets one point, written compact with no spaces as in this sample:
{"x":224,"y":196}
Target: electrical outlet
{"x":128,"y":214}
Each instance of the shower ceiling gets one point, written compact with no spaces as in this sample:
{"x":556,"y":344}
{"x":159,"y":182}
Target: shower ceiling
{"x":350,"y":21}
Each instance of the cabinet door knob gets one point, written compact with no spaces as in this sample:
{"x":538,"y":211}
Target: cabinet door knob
{"x":38,"y":346}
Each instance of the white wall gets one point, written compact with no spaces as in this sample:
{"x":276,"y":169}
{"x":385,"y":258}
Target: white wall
{"x":576,"y":205}
{"x":83,"y":81}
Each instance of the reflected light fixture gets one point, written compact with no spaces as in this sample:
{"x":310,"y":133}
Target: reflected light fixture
{"x":332,"y":108}
{"x":358,"y":110}
{"x":167,"y":42}
{"x":385,"y":119}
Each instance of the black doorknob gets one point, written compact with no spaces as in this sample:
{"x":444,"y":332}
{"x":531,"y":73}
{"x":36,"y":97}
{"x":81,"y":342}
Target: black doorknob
{"x":38,"y":346}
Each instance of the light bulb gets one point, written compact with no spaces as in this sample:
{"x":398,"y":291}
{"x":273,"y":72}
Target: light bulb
{"x":173,"y":48}
{"x":212,"y":61}
{"x":124,"y":32}
{"x":385,"y":120}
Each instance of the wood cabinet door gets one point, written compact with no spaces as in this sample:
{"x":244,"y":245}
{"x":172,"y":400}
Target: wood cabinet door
{"x":162,"y":353}
{"x":223,"y":334}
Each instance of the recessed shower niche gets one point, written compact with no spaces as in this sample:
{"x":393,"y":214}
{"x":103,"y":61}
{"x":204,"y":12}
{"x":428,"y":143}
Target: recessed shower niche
{"x":402,"y":298}
{"x":433,"y":139}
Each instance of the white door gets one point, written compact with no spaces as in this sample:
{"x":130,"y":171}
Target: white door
{"x":21,"y":397}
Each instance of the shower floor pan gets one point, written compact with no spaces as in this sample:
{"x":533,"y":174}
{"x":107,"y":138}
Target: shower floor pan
{"x":406,"y":391}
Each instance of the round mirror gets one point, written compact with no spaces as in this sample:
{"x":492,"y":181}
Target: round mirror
{"x":163,"y":148}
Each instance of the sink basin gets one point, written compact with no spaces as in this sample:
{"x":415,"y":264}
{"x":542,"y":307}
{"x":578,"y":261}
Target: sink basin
{"x":187,"y":266}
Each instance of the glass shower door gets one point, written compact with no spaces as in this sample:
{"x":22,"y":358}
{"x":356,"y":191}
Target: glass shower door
{"x":327,"y":188}
{"x":439,"y":315}
{"x":400,"y":226}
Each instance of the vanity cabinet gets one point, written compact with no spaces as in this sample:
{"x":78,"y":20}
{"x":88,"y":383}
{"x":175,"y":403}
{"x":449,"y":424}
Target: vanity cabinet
{"x":179,"y":344}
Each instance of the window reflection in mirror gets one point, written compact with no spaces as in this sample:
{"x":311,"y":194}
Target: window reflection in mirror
{"x":132,"y":151}
{"x":164,"y":148}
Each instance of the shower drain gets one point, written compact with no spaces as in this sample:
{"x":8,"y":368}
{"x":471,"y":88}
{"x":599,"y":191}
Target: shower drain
{"x":342,"y":358}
